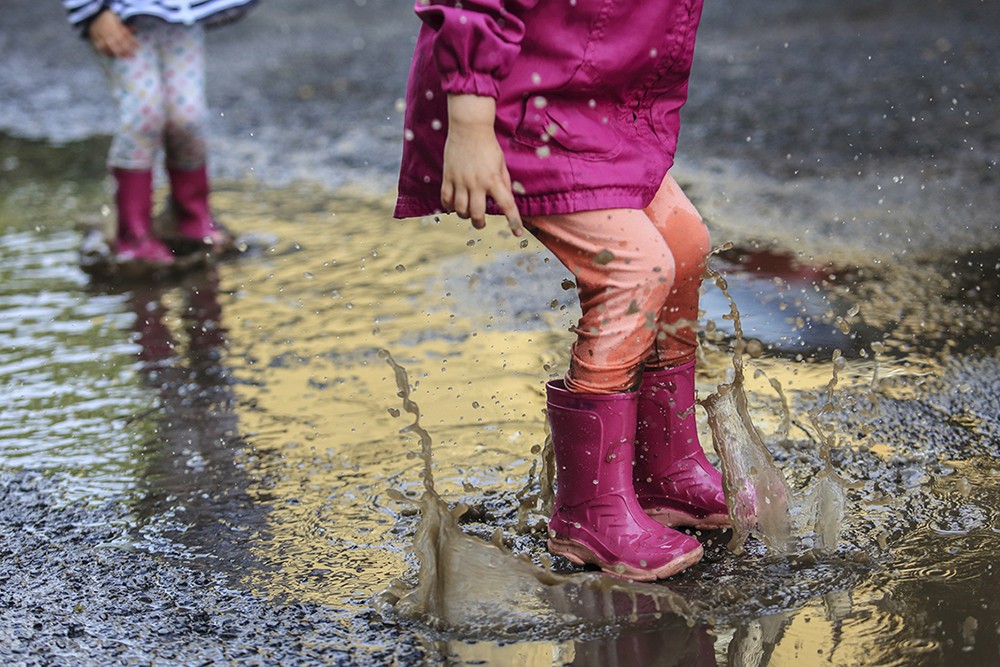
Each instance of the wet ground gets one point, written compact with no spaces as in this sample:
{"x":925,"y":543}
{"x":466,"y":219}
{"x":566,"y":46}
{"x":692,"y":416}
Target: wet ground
{"x":212,"y":470}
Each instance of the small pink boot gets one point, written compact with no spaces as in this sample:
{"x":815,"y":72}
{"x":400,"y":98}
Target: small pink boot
{"x":136,"y":249}
{"x":196,"y":228}
{"x":674,"y":481}
{"x":596,"y":518}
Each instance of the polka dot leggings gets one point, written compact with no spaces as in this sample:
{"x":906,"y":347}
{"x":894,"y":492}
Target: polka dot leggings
{"x":160,"y":93}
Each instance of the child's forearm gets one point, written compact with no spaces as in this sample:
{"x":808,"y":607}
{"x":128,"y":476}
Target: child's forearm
{"x":471,"y":110}
{"x":474,"y":164}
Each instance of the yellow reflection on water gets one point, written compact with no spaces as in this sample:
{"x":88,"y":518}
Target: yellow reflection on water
{"x":306,"y":319}
{"x":341,"y":281}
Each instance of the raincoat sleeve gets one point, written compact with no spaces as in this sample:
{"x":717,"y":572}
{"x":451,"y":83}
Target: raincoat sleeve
{"x":475,"y":42}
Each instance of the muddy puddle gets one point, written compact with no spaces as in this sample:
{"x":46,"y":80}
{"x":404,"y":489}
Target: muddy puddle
{"x":250,"y":419}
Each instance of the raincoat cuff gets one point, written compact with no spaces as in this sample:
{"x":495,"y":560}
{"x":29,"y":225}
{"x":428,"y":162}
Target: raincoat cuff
{"x":476,"y":83}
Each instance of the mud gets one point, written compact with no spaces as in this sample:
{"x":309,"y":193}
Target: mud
{"x":212,"y":470}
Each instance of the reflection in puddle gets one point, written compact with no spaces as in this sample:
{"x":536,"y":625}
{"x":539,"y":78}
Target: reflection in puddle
{"x":250,"y":421}
{"x":790,"y":307}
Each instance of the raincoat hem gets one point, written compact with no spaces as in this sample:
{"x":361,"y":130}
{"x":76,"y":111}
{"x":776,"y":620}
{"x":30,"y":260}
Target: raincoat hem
{"x":551,"y":203}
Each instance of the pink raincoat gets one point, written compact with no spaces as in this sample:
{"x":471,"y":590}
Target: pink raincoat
{"x":588,"y":96}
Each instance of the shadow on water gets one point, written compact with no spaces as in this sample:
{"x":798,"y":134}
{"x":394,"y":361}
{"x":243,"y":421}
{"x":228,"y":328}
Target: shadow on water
{"x":252,"y":426}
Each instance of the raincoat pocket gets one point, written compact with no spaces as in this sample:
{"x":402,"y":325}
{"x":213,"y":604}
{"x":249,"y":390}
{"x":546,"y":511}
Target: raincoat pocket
{"x":582,"y":127}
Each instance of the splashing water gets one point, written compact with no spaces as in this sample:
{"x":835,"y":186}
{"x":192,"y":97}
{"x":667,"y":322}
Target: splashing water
{"x":756,"y":492}
{"x":760,"y":501}
{"x":825,"y":500}
{"x":466,"y":582}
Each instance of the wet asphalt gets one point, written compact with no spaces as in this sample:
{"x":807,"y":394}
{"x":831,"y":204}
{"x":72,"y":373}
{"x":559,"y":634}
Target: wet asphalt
{"x":826,"y":128}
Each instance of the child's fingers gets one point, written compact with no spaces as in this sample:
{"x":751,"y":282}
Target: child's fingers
{"x":447,"y":196}
{"x":508,"y":205}
{"x":129,"y":45}
{"x":461,"y":203}
{"x":119,"y":49}
{"x":477,"y":209}
{"x":504,"y":199}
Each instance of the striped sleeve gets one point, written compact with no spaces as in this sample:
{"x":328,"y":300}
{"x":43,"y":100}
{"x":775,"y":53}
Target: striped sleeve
{"x":220,"y":12}
{"x":80,"y":12}
{"x":187,"y":12}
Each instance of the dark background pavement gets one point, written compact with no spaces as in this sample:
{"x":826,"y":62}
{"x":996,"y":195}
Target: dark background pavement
{"x":835,"y":123}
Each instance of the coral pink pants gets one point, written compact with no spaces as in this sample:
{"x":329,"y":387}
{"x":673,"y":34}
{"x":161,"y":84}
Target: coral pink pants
{"x":638,"y":274}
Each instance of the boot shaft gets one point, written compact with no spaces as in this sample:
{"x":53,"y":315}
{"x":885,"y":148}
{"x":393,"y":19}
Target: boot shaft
{"x":189,"y":192}
{"x":593,"y":439}
{"x":134,"y":203}
{"x":597,"y":518}
{"x":666,"y":426}
{"x":673,"y":479}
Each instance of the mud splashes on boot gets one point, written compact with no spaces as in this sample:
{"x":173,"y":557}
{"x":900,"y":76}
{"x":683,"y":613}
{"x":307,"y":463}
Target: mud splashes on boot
{"x":465,"y":583}
{"x":756,"y":491}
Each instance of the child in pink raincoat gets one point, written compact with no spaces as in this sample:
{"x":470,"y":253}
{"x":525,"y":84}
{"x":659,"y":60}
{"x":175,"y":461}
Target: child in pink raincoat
{"x":563,"y":115}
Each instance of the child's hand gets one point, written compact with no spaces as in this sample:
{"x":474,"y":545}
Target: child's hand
{"x":111,"y":37}
{"x":474,"y":166}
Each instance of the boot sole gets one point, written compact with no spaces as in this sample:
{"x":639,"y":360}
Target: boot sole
{"x":579,"y":554}
{"x":185,"y":247}
{"x":676,"y":519}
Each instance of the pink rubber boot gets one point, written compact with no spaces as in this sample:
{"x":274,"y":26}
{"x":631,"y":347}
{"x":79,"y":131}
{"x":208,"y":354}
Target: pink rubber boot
{"x":674,"y":481}
{"x":196,"y":228}
{"x":135,"y":246}
{"x":597,"y":518}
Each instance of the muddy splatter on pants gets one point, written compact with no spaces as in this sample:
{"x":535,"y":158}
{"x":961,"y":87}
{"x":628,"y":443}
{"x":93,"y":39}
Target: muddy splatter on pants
{"x":638,"y":274}
{"x":160,"y":93}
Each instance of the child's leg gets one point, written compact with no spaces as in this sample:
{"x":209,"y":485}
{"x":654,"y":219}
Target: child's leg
{"x":674,"y":481}
{"x":182,"y":53}
{"x":138,"y":92}
{"x":624,"y":272}
{"x":687,"y":236}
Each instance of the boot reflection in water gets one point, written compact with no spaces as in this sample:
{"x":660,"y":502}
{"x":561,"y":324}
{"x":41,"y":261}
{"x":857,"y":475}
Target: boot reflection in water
{"x":628,"y":463}
{"x":201,"y":317}
{"x":156,"y":342}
